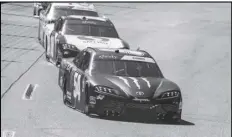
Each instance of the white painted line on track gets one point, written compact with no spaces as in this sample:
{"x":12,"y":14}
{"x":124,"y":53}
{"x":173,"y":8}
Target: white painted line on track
{"x":8,"y":133}
{"x":25,"y":91}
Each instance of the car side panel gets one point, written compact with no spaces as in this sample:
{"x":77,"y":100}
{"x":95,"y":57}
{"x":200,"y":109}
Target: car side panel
{"x":78,"y":90}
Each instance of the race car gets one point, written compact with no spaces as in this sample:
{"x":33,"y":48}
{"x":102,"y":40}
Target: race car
{"x":39,"y":7}
{"x":117,"y":82}
{"x":75,"y":33}
{"x":56,"y":10}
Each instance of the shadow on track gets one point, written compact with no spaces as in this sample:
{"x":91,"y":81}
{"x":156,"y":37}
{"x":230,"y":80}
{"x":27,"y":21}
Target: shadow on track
{"x":144,"y":120}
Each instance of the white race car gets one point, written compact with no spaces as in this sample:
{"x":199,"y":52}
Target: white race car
{"x":56,"y":10}
{"x":75,"y":33}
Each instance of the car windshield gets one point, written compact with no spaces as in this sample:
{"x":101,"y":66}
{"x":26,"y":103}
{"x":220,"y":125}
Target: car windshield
{"x":90,"y":30}
{"x":58,"y":12}
{"x":126,"y":68}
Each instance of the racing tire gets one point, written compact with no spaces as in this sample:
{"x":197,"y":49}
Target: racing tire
{"x":39,"y":12}
{"x":59,"y":56}
{"x":34,"y":12}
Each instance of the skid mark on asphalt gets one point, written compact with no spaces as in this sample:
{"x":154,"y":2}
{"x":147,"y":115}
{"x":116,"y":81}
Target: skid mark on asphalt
{"x":10,"y":61}
{"x":29,"y":92}
{"x":17,"y":36}
{"x":20,"y":48}
{"x":20,"y":25}
{"x":17,"y":15}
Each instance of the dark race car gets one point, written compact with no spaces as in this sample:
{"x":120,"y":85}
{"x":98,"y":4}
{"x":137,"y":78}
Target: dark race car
{"x":110,"y":82}
{"x":73,"y":33}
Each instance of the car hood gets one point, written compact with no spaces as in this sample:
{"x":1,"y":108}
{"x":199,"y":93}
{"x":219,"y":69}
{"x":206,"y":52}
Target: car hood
{"x":82,"y":42}
{"x":150,"y":86}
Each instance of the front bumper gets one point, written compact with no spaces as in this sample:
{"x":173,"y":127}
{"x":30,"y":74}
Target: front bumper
{"x":115,"y":106}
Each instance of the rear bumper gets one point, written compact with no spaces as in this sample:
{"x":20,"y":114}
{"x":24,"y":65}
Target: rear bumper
{"x":113,"y":106}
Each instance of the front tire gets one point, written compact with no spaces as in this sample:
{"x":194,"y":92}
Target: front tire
{"x":86,"y":108}
{"x":59,"y":56}
{"x":46,"y":51}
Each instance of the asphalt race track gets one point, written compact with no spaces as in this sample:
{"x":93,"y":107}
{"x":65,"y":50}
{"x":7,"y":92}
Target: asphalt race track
{"x":191,"y":43}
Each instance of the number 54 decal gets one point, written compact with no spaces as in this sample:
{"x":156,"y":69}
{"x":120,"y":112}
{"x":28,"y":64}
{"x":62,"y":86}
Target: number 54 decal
{"x":77,"y":87}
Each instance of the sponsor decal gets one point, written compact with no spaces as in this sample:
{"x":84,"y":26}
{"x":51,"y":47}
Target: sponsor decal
{"x":100,"y":97}
{"x":148,"y":82}
{"x":135,"y":81}
{"x":141,"y":100}
{"x":77,"y":88}
{"x":140,"y":93}
{"x":107,"y":57}
{"x":94,"y":40}
{"x":92,"y":100}
{"x":88,"y":22}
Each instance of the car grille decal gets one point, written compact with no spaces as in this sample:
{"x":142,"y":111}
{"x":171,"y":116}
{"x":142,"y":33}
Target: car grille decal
{"x":125,"y":81}
{"x":135,"y":81}
{"x":148,"y":82}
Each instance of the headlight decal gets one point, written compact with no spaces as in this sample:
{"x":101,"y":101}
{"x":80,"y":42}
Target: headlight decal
{"x":69,"y":46}
{"x":170,"y":94}
{"x":103,"y":89}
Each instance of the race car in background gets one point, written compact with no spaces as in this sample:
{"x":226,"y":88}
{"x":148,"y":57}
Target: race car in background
{"x":110,"y":82}
{"x":39,"y":7}
{"x":72,"y":34}
{"x":56,"y":10}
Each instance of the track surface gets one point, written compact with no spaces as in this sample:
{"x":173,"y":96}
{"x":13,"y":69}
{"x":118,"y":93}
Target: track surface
{"x":191,"y":43}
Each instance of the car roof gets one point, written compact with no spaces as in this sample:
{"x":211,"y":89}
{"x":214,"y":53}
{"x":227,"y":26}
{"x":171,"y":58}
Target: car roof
{"x":80,"y":6}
